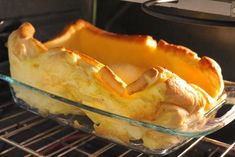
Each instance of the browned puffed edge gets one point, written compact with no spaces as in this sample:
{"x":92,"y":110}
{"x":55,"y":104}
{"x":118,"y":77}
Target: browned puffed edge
{"x":26,"y":31}
{"x":84,"y":57}
{"x":81,"y":24}
{"x":204,"y":62}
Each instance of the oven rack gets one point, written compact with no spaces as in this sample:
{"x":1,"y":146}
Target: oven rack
{"x":25,"y":134}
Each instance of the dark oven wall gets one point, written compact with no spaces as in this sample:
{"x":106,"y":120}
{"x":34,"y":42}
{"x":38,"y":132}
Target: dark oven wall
{"x":48,"y":17}
{"x":217,"y":42}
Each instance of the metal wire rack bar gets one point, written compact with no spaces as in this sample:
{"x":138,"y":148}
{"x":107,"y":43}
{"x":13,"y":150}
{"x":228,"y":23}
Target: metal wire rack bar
{"x":228,"y":149}
{"x":20,"y":146}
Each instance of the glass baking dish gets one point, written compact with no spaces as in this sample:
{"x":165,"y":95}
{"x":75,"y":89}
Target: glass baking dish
{"x":164,"y":139}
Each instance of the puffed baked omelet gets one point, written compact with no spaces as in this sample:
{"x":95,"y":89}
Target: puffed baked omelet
{"x":133,"y":76}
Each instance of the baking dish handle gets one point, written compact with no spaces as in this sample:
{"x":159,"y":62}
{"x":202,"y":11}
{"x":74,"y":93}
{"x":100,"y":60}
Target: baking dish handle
{"x":229,"y":116}
{"x":230,"y":100}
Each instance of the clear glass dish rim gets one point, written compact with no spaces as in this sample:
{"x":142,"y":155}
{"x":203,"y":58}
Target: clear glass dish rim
{"x":155,"y":127}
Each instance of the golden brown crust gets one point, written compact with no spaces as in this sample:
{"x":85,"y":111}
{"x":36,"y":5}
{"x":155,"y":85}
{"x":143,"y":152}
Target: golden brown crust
{"x":85,"y":58}
{"x":209,"y":63}
{"x":208,"y":67}
{"x":110,"y":79}
{"x":145,"y":80}
{"x":177,"y":49}
{"x":20,"y":37}
{"x":96,"y":30}
{"x":26,"y":30}
{"x":181,"y":94}
{"x":205,"y":62}
{"x":81,"y":24}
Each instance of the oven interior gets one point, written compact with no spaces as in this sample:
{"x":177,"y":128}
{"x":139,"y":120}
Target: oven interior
{"x":25,"y":134}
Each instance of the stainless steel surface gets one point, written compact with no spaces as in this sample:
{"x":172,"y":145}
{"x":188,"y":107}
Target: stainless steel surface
{"x":219,"y":7}
{"x":205,"y":6}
